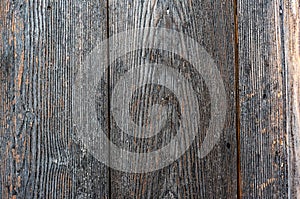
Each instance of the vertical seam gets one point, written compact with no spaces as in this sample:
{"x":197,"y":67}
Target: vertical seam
{"x":108,"y":97}
{"x":237,"y":100}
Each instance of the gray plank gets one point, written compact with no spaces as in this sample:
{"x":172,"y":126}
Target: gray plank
{"x":42,"y":45}
{"x":291,"y":26}
{"x":211,"y":24}
{"x":263,"y":100}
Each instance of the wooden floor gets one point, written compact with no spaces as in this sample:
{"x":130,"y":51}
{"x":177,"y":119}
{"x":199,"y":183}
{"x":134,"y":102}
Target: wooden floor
{"x":255,"y":45}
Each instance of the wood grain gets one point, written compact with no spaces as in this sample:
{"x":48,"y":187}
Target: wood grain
{"x":212,"y":25}
{"x":44,"y":43}
{"x":42,"y":46}
{"x":263,"y":102}
{"x":291,"y":27}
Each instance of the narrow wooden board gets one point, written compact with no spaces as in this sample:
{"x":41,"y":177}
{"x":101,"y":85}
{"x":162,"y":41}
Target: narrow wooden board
{"x":291,"y":26}
{"x":263,"y":101}
{"x":211,"y":24}
{"x":42,"y":44}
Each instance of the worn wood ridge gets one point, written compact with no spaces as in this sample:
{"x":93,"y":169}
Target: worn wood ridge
{"x":255,"y":46}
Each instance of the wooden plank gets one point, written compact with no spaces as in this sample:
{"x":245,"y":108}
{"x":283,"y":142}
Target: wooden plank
{"x":42,"y":45}
{"x":211,"y":24}
{"x":291,"y":27}
{"x":262,"y":83}
{"x":90,"y":27}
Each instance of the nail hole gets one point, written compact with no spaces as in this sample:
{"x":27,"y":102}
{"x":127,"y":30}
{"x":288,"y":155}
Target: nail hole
{"x":264,"y":96}
{"x":228,"y":145}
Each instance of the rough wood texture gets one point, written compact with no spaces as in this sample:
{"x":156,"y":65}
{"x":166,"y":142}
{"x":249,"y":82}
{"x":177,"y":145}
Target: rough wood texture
{"x":263,"y":98}
{"x":42,"y":45}
{"x":291,"y":27}
{"x":211,"y":23}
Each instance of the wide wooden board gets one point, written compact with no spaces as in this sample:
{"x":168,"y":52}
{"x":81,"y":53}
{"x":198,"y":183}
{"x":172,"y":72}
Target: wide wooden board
{"x":42,"y":44}
{"x":211,"y":24}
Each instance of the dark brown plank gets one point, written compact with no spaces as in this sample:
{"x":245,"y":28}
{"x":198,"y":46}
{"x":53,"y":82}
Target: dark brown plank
{"x":42,"y":45}
{"x":291,"y":12}
{"x":211,"y":24}
{"x":262,"y":83}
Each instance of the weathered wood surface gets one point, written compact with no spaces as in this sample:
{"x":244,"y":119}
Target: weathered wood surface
{"x":42,"y":45}
{"x":211,"y":23}
{"x":268,"y":81}
{"x":291,"y":27}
